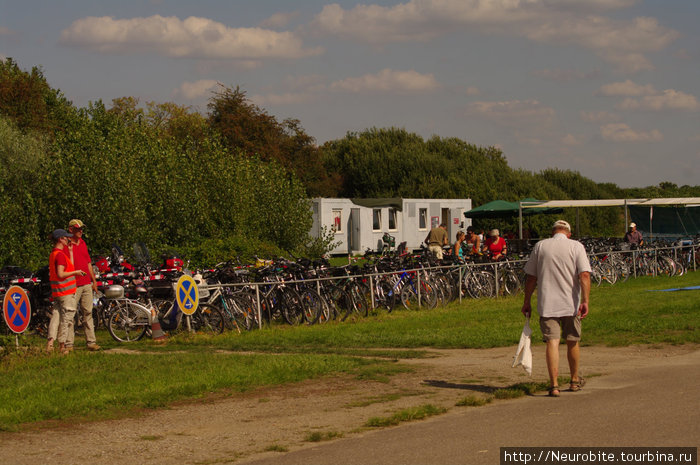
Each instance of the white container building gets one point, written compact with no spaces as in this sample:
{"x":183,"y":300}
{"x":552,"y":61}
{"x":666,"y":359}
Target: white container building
{"x":360,"y":224}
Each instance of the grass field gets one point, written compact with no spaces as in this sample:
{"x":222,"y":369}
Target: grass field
{"x":37,"y":387}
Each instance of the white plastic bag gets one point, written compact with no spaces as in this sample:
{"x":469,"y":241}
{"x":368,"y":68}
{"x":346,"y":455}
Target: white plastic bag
{"x":523,"y":356}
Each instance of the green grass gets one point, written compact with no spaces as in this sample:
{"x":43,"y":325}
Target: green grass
{"x":409,"y":414}
{"x":107,"y":384}
{"x":318,"y":436}
{"x":474,"y":401}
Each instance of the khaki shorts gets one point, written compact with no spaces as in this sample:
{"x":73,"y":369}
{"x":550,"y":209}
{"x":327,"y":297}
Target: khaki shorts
{"x":552,"y":327}
{"x":436,"y":250}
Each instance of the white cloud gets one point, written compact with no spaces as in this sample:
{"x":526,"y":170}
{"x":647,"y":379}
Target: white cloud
{"x":621,"y":132}
{"x":627,"y":88}
{"x":669,"y":99}
{"x":194,"y":90}
{"x":599,"y":117}
{"x":388,"y":80}
{"x":472,"y":91}
{"x":648,"y":98}
{"x":620,"y":42}
{"x":192,"y":37}
{"x":6,"y":31}
{"x":571,"y":140}
{"x":279,"y":20}
{"x":513,"y":111}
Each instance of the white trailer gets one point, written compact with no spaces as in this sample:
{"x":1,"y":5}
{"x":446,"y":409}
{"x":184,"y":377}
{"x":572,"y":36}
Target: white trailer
{"x":360,"y":224}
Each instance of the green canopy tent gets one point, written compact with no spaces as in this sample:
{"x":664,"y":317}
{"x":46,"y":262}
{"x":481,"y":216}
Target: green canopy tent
{"x":505,"y":209}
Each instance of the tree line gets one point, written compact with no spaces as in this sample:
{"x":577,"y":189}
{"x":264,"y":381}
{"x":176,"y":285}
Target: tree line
{"x":231,"y":181}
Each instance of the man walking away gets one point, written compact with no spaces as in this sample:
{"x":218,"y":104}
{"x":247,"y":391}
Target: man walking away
{"x":87,"y":283}
{"x":560,"y":268}
{"x":436,"y":240}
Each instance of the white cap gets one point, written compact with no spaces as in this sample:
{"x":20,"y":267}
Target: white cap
{"x":561,"y":224}
{"x":494,"y":232}
{"x":633,"y":225}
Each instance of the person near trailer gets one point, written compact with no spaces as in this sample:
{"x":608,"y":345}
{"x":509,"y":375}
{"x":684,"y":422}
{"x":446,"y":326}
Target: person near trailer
{"x":559,"y":268}
{"x":436,"y":240}
{"x":87,"y":284}
{"x":457,"y":250}
{"x":473,"y":241}
{"x":495,"y":246}
{"x":62,"y":275}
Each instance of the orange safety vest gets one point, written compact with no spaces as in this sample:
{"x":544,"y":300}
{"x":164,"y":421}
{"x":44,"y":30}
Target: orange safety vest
{"x":60,"y":288}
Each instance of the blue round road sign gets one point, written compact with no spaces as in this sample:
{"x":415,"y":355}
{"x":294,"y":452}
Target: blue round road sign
{"x":187,"y":294}
{"x":16,"y":309}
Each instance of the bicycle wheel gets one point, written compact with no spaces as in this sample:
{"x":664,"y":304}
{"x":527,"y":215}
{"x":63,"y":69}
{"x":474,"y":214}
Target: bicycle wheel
{"x":127,"y":323}
{"x":428,"y":296}
{"x":386,"y":297}
{"x":312,"y":306}
{"x":243,"y":311}
{"x":291,"y":306}
{"x":510,"y":283}
{"x":208,"y":319}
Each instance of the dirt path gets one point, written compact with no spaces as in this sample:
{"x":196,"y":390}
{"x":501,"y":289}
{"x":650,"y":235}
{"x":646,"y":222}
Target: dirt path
{"x":270,"y":421}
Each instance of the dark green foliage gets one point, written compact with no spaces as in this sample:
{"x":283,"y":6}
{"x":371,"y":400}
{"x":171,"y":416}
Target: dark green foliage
{"x":160,"y":177}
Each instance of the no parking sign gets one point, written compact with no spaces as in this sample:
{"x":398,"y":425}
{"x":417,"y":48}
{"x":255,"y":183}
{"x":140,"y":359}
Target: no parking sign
{"x":16,"y":309}
{"x":187,"y":294}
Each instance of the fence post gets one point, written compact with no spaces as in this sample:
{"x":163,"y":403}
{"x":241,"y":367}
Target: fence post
{"x":459,"y":285}
{"x":418,"y":275}
{"x":495,"y":275}
{"x":257,"y":299}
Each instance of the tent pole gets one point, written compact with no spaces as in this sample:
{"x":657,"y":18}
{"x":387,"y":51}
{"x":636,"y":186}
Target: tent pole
{"x":520,"y":221}
{"x":626,"y":218}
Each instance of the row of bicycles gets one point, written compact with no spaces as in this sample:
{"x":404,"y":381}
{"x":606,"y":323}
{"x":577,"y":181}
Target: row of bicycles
{"x":613,"y":261}
{"x":241,"y":297}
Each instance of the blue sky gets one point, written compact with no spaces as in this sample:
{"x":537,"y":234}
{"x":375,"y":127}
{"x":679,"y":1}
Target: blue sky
{"x":608,"y":88}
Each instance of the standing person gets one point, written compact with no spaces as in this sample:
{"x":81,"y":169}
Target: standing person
{"x":87,"y":284}
{"x":473,"y":241}
{"x":457,"y":248}
{"x":495,"y":245}
{"x":560,"y":267}
{"x":436,"y":240}
{"x":634,"y":237}
{"x":62,"y":275}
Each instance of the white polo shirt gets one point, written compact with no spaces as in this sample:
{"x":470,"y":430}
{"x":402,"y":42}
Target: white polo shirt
{"x":557,"y":263}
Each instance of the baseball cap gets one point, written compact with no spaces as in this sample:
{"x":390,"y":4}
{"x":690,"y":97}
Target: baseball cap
{"x":561,"y":224}
{"x":633,"y":225}
{"x":494,"y":232}
{"x":59,"y":233}
{"x":77,"y":223}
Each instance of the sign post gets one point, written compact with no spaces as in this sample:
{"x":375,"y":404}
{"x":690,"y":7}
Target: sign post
{"x":187,"y":296}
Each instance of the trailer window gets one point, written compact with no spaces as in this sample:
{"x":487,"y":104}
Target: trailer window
{"x":337,"y":220}
{"x":423,"y":219}
{"x":376,"y":219}
{"x":393,"y":223}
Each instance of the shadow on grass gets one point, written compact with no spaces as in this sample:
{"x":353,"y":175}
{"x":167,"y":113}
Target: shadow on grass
{"x":467,"y":387}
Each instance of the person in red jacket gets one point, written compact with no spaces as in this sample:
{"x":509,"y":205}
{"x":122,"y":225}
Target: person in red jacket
{"x":87,"y":284}
{"x":495,"y":245}
{"x":62,"y":275}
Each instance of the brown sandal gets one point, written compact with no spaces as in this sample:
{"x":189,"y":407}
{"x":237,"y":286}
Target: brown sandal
{"x":576,"y":386}
{"x":553,"y":391}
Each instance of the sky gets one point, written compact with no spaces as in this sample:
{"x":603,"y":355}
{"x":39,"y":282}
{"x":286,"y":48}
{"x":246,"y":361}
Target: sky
{"x":608,"y":88}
